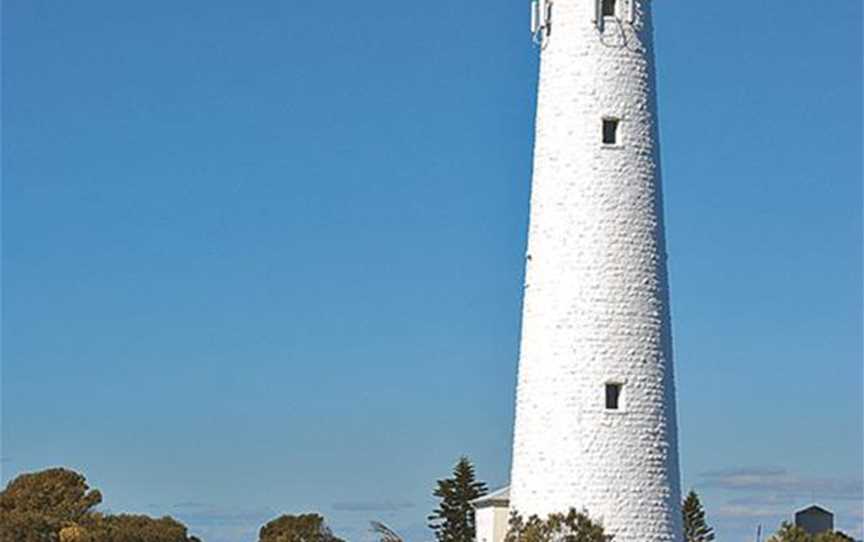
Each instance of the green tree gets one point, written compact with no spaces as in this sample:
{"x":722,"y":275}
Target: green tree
{"x":135,"y":528}
{"x":836,"y":536}
{"x":696,"y":529}
{"x":453,"y":520}
{"x":58,"y":493}
{"x":570,"y":527}
{"x":302,"y":528}
{"x":57,"y":505}
{"x":791,"y":533}
{"x":27,"y":527}
{"x":35,"y":507}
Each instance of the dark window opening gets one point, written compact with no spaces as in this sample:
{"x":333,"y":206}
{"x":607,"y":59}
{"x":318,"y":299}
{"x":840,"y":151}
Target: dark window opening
{"x":608,"y":8}
{"x":613,"y":396}
{"x":610,"y":131}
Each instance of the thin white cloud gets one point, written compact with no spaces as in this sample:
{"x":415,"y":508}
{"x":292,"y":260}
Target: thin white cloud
{"x":202,"y":514}
{"x":372,"y":506}
{"x":763,"y":499}
{"x":780,"y":481}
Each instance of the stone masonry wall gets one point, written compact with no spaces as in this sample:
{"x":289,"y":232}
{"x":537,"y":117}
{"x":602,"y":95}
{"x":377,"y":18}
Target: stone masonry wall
{"x":596,"y":306}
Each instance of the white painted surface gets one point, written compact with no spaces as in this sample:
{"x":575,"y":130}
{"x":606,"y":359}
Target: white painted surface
{"x":492,"y":515}
{"x":596,"y":304}
{"x":491,"y":523}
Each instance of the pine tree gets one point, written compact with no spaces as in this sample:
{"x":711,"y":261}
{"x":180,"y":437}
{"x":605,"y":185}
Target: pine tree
{"x":696,"y":529}
{"x":453,"y":521}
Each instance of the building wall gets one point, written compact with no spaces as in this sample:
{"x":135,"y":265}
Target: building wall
{"x":815,"y":521}
{"x":491,"y":523}
{"x":596,"y":306}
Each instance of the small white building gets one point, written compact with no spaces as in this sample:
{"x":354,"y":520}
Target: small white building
{"x":491,"y":515}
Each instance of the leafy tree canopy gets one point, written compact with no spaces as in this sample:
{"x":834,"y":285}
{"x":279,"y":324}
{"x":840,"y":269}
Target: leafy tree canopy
{"x":301,"y":528}
{"x":27,"y":527}
{"x":791,"y":533}
{"x":453,"y":520}
{"x":57,"y":493}
{"x":570,"y":527}
{"x":134,"y":528}
{"x":56,"y":505}
{"x":696,"y":529}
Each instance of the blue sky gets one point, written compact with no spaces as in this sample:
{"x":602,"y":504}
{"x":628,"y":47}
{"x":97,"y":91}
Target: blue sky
{"x":266,"y":257}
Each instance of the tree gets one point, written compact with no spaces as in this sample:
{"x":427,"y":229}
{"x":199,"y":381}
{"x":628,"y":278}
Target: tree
{"x":386,"y":533}
{"x":27,"y":527}
{"x":58,"y":493}
{"x":134,"y":528}
{"x":836,"y":536}
{"x":57,"y":505}
{"x":570,"y":527}
{"x":792,"y":533}
{"x":302,"y":528}
{"x":453,"y":520}
{"x":35,"y":507}
{"x":696,"y":529}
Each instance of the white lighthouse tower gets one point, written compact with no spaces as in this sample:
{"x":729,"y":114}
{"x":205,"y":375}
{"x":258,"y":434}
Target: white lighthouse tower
{"x":595,"y":415}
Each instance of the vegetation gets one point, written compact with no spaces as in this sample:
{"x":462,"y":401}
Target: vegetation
{"x":453,"y":520}
{"x":133,"y":528}
{"x":696,"y":529}
{"x":385,"y":533}
{"x":302,"y":528}
{"x":35,"y":507}
{"x":791,"y":533}
{"x":570,"y":527}
{"x":57,"y":505}
{"x":60,"y":494}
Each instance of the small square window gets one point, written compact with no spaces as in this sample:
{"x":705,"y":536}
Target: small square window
{"x":608,"y":8}
{"x":613,"y":396}
{"x":610,"y":131}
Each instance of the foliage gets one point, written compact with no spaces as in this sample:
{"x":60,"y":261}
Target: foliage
{"x":792,"y":533}
{"x":56,"y":505}
{"x":836,"y":536}
{"x":571,"y":527}
{"x":35,"y":507}
{"x":386,"y":533}
{"x":453,"y":520}
{"x":134,"y":528}
{"x":696,"y":529}
{"x":18,"y":526}
{"x":57,"y":493}
{"x":302,"y":528}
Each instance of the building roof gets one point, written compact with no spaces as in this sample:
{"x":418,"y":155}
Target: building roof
{"x":499,"y":497}
{"x":814,"y":508}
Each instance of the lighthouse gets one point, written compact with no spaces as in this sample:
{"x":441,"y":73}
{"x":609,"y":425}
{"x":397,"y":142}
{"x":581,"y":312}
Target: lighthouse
{"x":595,"y":426}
